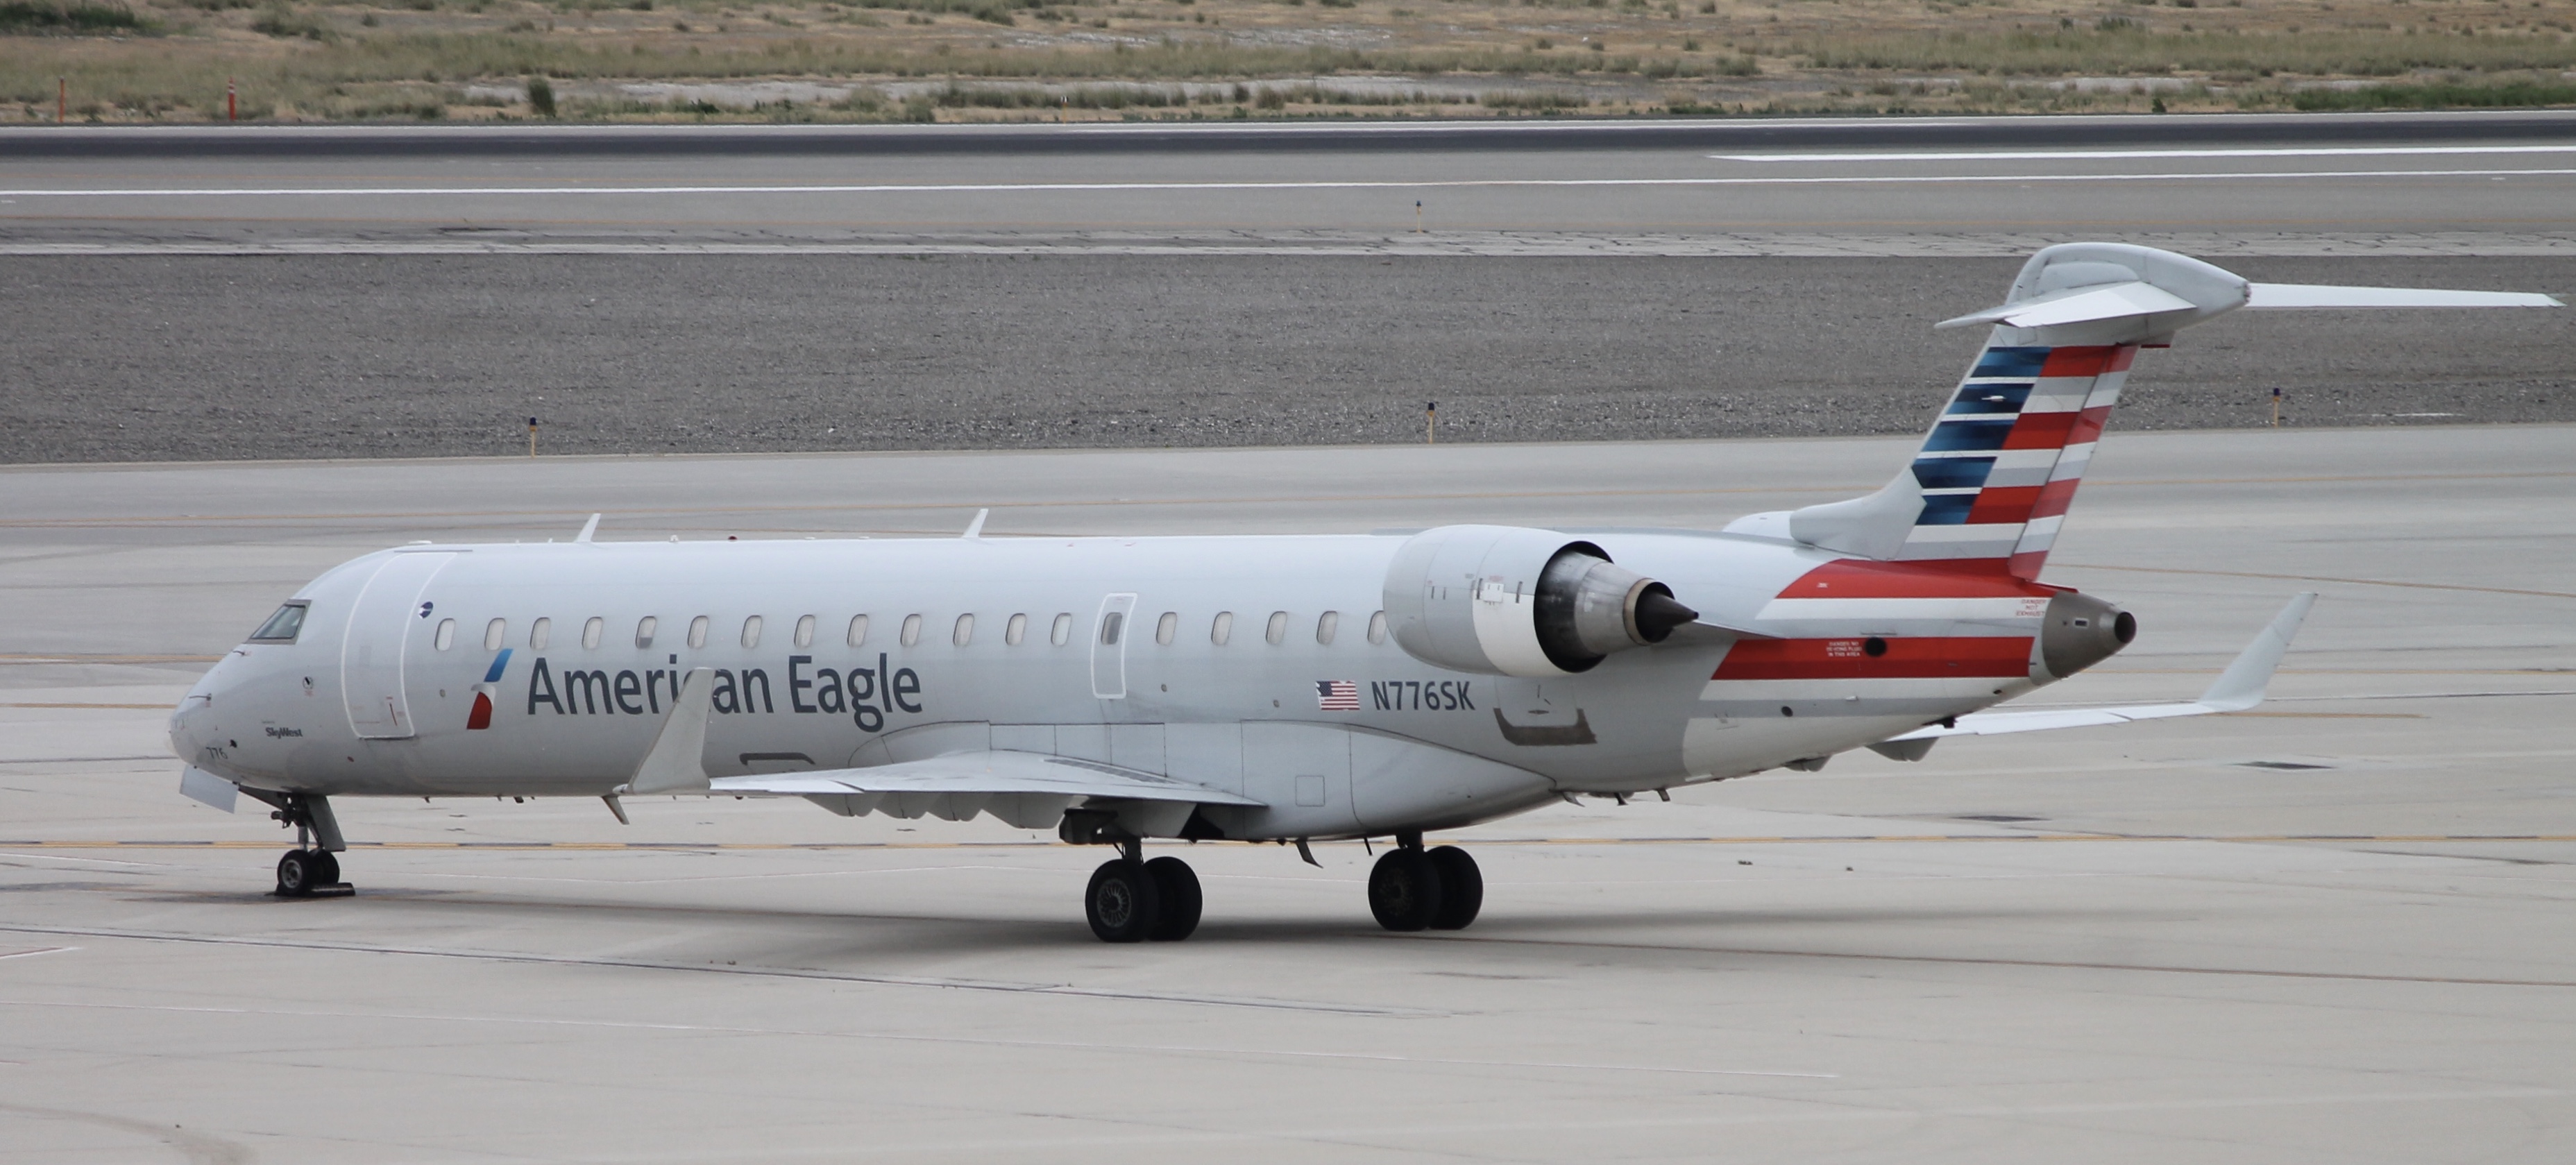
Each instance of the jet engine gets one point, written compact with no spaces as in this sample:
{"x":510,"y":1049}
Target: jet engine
{"x":1507,"y":600}
{"x":2082,"y":631}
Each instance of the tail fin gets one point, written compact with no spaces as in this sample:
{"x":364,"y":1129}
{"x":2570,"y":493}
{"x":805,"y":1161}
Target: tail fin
{"x":1996,"y":474}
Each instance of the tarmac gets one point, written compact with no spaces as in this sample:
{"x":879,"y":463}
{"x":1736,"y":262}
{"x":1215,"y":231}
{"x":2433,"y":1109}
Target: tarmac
{"x":2336,"y":929}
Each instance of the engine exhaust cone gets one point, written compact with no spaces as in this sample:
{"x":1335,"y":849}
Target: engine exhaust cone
{"x":1658,"y":612}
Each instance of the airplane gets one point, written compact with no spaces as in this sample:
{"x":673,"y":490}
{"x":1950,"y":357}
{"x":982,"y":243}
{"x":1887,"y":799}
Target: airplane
{"x":1272,"y":689}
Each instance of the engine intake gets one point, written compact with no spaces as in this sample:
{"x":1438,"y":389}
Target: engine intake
{"x":1507,"y":600}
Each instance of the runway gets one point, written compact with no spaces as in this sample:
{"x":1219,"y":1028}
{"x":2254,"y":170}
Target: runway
{"x":2333,"y":930}
{"x":2365,"y":184}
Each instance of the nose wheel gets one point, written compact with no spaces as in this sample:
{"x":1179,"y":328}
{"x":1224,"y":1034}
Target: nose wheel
{"x":311,"y":873}
{"x":312,"y":868}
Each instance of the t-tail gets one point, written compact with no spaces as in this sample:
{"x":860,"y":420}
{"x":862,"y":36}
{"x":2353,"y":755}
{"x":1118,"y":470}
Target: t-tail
{"x":1995,"y":476}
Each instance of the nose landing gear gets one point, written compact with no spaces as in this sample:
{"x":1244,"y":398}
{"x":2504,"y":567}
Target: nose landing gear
{"x":312,"y":868}
{"x":1414,"y":889}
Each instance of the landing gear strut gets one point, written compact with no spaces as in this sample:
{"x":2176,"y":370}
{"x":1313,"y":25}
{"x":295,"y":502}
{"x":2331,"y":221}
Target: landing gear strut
{"x":312,"y":868}
{"x":1131,"y":899}
{"x":1414,"y":889}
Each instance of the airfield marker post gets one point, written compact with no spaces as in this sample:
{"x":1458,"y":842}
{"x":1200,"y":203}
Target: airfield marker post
{"x":232,"y":109}
{"x":532,"y":436}
{"x":2276,"y":406}
{"x":1417,"y":216}
{"x":62,"y":98}
{"x":1430,"y":421}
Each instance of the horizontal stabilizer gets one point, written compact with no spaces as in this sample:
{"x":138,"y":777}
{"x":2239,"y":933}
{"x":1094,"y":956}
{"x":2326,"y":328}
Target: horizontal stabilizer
{"x":2237,"y":689}
{"x":988,"y":772}
{"x":2296,"y":296}
{"x":2116,"y":301}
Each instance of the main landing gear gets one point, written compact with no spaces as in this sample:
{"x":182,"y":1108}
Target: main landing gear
{"x":1413,"y":889}
{"x":312,"y":868}
{"x":1131,"y":899}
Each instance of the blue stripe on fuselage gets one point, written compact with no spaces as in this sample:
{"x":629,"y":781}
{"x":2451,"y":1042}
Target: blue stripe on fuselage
{"x":498,"y":662}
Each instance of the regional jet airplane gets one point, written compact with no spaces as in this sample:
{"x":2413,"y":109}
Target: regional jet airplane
{"x":1121,"y":691}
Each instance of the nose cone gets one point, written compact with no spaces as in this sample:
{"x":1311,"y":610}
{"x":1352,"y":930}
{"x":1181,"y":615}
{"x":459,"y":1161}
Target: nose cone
{"x":2082,"y":631}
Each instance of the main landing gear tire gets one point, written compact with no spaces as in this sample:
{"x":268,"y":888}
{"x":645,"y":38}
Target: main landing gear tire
{"x":1462,"y":888}
{"x":302,"y":870}
{"x":1404,"y":889}
{"x":1125,"y":901}
{"x":1178,"y":886}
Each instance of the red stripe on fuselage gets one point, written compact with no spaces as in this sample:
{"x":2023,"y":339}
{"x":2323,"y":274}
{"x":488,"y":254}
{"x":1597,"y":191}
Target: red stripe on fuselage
{"x":1951,"y":578}
{"x":1904,"y":658}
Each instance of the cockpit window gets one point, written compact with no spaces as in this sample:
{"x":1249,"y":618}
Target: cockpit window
{"x":282,"y":626}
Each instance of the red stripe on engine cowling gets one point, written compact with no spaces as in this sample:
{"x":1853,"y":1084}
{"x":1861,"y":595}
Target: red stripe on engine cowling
{"x":1927,"y":657}
{"x":1952,"y":578}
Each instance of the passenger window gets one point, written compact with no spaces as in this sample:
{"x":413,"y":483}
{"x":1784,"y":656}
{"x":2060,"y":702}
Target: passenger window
{"x":590,"y":631}
{"x":751,"y":631}
{"x":911,"y":630}
{"x":539,"y":632}
{"x":964,"y":632}
{"x":1062,"y":632}
{"x":281,"y":627}
{"x":1015,"y":630}
{"x":698,"y":631}
{"x":494,"y":633}
{"x":858,"y":631}
{"x":644,"y":629}
{"x":1222,"y":628}
{"x":446,"y":637}
{"x":1325,"y":625}
{"x":1110,"y":625}
{"x":1377,"y":627}
{"x":805,"y":631}
{"x":1166,"y":627}
{"x":1278,"y":632}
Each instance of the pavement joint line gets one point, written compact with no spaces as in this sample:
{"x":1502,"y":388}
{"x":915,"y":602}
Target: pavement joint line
{"x":1064,"y":989}
{"x":2046,"y":964}
{"x":905,"y":1037}
{"x":1215,"y":187}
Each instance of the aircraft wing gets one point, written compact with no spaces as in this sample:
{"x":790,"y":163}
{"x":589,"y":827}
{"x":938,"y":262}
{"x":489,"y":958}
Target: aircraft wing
{"x":989,"y":773}
{"x":2237,"y":689}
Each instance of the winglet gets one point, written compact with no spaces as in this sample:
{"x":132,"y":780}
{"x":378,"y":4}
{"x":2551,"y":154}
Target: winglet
{"x":587,"y":529}
{"x":2241,"y":686}
{"x":975,"y":529}
{"x":676,"y":762}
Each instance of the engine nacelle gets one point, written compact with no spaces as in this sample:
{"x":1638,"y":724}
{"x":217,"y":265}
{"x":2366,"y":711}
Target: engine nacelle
{"x":2082,"y":631}
{"x":1508,"y":600}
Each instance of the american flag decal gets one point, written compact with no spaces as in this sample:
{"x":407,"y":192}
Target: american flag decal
{"x":1337,"y":696}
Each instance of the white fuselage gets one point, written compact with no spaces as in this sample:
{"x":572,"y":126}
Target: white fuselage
{"x":869,"y":652}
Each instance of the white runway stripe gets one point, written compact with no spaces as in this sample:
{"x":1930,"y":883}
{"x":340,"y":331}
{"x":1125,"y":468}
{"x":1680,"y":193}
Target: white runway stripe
{"x":2050,"y":155}
{"x":1073,"y":187}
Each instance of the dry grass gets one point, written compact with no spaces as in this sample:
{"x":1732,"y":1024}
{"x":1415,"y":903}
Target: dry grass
{"x":1172,"y":58}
